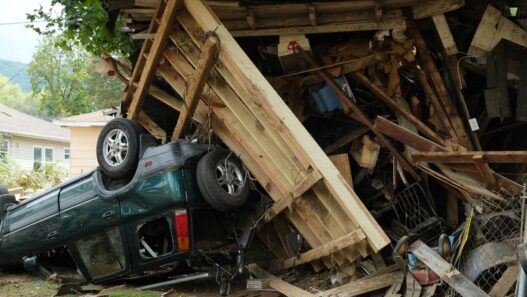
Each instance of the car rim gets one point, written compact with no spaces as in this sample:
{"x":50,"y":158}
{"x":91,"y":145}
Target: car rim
{"x":115,"y":147}
{"x":229,"y":177}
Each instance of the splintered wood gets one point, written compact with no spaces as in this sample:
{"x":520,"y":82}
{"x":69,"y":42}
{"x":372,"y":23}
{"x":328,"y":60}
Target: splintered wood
{"x":254,"y":122}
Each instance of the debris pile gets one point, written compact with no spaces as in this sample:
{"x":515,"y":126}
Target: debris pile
{"x":388,"y":133}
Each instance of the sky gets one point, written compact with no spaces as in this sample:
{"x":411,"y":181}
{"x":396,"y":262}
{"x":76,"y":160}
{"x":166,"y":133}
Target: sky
{"x":18,"y":42}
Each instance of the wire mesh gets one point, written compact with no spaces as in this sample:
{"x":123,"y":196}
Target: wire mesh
{"x":501,"y":221}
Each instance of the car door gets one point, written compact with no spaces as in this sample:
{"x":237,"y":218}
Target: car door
{"x":33,"y":226}
{"x":84,"y":211}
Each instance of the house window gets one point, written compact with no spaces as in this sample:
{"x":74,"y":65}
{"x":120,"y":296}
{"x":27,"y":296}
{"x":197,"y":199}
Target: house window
{"x":4,"y":148}
{"x":48,"y":155}
{"x":42,"y":155}
{"x":37,"y":156}
{"x":67,"y":153}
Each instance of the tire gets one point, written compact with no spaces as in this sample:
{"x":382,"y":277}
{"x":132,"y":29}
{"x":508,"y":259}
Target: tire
{"x":3,"y":190}
{"x":118,"y":148}
{"x":222,"y":180}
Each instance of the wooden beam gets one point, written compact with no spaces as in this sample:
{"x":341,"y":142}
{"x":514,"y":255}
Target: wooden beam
{"x":393,"y":105}
{"x":325,"y":249}
{"x":492,"y":28}
{"x":342,"y":162}
{"x":445,"y":270}
{"x":435,"y":7}
{"x":509,"y":157}
{"x":165,"y":27}
{"x":506,"y":281}
{"x":405,"y":136}
{"x":364,"y":285}
{"x":195,"y":86}
{"x":278,"y":284}
{"x":443,"y":30}
{"x":285,"y":202}
{"x":151,"y":126}
{"x":382,"y":24}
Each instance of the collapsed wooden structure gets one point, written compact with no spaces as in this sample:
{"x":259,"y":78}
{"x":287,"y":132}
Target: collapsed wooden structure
{"x":190,"y":45}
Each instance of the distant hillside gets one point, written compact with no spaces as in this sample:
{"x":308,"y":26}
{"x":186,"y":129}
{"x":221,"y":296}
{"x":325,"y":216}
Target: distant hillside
{"x":10,"y":68}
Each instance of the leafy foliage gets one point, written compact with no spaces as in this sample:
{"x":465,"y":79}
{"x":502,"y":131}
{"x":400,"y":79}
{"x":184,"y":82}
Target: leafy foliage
{"x":65,"y":81}
{"x":82,"y":22}
{"x":13,"y":96}
{"x":13,"y":176}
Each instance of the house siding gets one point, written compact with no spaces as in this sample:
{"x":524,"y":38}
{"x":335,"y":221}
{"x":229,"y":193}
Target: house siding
{"x":83,"y":147}
{"x":21,"y":150}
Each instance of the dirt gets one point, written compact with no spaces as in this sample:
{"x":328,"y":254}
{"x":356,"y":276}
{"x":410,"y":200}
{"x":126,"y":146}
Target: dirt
{"x":31,"y":285}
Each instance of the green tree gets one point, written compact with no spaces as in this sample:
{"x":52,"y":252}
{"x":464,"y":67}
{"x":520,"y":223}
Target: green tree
{"x":13,"y":96}
{"x":65,"y":82}
{"x":85,"y":23}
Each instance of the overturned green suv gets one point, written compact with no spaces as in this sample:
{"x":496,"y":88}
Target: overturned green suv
{"x":183,"y":204}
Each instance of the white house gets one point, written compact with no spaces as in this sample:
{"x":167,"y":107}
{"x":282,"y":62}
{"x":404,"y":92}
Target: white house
{"x":27,"y":139}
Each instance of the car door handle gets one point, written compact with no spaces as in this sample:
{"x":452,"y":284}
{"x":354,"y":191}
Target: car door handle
{"x":108,"y":214}
{"x":52,"y":235}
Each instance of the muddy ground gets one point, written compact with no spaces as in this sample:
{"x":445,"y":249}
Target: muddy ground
{"x":30,"y":285}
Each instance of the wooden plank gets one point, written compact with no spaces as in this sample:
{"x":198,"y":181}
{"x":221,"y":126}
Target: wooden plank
{"x":151,"y":126}
{"x":342,"y":162}
{"x":413,"y":288}
{"x":148,"y":71}
{"x":443,"y":30}
{"x":195,"y":86}
{"x":445,"y":270}
{"x":280,"y":285}
{"x":405,"y":136}
{"x":383,"y":24}
{"x":285,"y":202}
{"x":236,"y":61}
{"x":511,"y":157}
{"x":365,"y":285}
{"x":325,"y":249}
{"x":435,"y":7}
{"x":506,"y":281}
{"x":492,"y":28}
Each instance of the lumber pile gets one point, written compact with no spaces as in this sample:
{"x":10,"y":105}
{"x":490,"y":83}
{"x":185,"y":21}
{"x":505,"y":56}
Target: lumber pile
{"x":393,"y":149}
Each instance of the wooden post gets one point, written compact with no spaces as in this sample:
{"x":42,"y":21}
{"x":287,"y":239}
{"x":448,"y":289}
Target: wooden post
{"x":195,"y":86}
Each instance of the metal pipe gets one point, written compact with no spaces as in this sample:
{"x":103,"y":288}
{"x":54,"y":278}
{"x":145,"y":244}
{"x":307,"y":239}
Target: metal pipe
{"x":182,"y":279}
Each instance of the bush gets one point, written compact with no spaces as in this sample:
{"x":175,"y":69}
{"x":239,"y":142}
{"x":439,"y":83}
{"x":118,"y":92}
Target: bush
{"x":41,"y":177}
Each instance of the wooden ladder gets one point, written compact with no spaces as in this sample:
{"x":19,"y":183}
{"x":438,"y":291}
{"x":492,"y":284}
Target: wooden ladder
{"x":162,"y":24}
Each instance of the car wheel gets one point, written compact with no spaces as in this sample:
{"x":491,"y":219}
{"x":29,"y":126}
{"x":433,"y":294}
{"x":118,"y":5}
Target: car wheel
{"x":222,"y":180}
{"x":3,"y":190}
{"x":118,"y":147}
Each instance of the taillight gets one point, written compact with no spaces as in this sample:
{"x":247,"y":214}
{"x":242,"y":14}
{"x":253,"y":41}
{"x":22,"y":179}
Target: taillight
{"x":182,"y":231}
